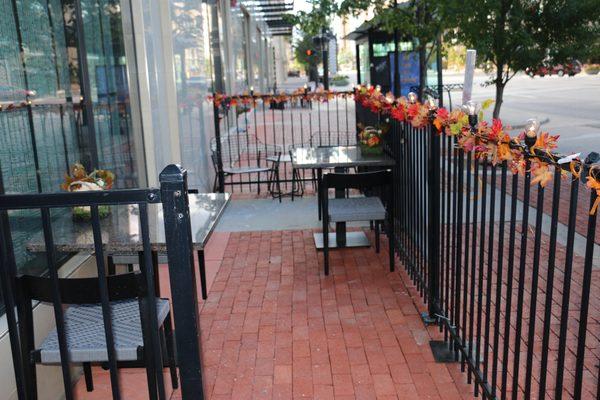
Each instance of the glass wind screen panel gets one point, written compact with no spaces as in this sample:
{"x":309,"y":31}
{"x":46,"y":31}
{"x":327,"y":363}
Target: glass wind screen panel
{"x":193,"y":72}
{"x":365,"y":70}
{"x":238,"y":43}
{"x":44,"y":139}
{"x":107,"y":68}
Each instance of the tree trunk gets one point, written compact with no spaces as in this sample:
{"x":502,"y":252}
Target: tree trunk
{"x":499,"y":92}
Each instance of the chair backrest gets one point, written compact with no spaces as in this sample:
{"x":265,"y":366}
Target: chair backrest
{"x":18,"y":290}
{"x":361,"y":180}
{"x":244,"y":148}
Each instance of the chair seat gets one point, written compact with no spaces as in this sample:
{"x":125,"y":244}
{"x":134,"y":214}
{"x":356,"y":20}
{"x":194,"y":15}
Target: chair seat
{"x":85,"y":332}
{"x":245,"y":170}
{"x":356,"y":209}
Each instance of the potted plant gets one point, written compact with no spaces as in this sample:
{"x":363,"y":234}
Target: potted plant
{"x":78,"y":180}
{"x":370,"y":140}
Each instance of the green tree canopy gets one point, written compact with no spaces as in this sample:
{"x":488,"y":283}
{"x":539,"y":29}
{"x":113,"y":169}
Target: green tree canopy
{"x":516,"y":34}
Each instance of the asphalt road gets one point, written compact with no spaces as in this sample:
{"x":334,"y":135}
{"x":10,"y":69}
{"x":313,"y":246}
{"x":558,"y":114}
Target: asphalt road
{"x":570,"y":105}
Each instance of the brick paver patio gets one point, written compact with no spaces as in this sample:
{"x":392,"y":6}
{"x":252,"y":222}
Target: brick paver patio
{"x":275,"y":327}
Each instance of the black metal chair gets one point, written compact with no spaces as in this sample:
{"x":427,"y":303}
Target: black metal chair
{"x":113,"y":321}
{"x":358,"y":208}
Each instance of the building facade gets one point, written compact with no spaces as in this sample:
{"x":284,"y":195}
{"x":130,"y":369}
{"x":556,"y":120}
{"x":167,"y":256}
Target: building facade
{"x":120,"y":85}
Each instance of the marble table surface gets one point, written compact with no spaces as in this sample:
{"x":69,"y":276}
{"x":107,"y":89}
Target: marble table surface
{"x":339,"y":156}
{"x":121,"y":230}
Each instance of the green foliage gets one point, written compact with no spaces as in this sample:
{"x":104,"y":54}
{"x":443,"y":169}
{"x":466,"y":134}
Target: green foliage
{"x":318,"y":18}
{"x":300,"y":47}
{"x":512,"y":35}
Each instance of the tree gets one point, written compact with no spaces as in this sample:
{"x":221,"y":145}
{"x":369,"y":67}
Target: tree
{"x":309,"y":62}
{"x":422,"y":21}
{"x":516,"y":34}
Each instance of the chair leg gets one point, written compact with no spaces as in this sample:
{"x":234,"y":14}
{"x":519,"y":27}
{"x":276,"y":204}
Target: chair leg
{"x":319,"y":194}
{"x":89,"y":380}
{"x":202,"y":269}
{"x":377,"y":244}
{"x":325,"y":243}
{"x":171,"y":351}
{"x":112,"y":269}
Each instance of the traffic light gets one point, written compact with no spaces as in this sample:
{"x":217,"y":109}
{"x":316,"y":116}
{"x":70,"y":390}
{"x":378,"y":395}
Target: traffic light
{"x":309,"y":52}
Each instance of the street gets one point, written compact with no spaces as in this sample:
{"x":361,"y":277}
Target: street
{"x":566,"y":106}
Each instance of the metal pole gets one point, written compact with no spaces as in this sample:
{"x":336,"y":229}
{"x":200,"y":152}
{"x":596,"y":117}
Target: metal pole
{"x":324,"y":47}
{"x":439,"y":73}
{"x":396,"y":88}
{"x":89,"y":129}
{"x":358,"y":77}
{"x":182,"y":275}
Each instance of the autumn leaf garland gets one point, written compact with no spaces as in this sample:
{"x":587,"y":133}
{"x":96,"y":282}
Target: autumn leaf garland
{"x":487,"y":141}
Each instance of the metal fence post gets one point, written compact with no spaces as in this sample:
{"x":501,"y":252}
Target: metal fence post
{"x":220,"y":174}
{"x":182,"y":275}
{"x":433,"y":191}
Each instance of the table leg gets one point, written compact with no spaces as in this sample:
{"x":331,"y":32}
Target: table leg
{"x":340,"y":227}
{"x":202,"y":268}
{"x":319,"y":178}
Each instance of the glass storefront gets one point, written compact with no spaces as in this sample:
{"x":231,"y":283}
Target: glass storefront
{"x":57,"y":110}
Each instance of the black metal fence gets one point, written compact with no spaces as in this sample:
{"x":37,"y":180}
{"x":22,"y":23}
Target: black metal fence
{"x":110,"y":293}
{"x":251,"y":130}
{"x":507,"y":268}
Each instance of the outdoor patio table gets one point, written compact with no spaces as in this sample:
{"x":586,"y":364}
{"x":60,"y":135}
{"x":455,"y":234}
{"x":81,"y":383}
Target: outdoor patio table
{"x":339,"y":158}
{"x":121,"y":233}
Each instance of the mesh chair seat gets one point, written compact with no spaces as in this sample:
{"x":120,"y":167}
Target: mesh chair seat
{"x":356,"y":209}
{"x":86,"y":339}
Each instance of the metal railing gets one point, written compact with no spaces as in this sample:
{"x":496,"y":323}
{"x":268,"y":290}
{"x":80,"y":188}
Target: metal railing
{"x":505,"y":267}
{"x":250,"y":129}
{"x":18,"y":290}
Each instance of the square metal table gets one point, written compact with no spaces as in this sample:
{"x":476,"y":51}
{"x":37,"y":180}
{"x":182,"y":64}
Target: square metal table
{"x":121,"y":231}
{"x":339,"y":158}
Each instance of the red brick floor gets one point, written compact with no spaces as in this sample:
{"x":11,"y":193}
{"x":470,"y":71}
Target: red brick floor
{"x":275,"y":327}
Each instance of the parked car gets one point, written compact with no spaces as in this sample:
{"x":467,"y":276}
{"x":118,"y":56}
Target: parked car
{"x":293,"y":73}
{"x":571,"y":68}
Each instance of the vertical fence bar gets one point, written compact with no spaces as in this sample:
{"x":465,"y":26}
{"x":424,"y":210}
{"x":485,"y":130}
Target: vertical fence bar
{"x":57,"y":303}
{"x":459,"y":243}
{"x":466,"y":255}
{"x":490,"y":273}
{"x":585,"y":295}
{"x":521,"y":285}
{"x":509,"y":284}
{"x":433,"y":167}
{"x":499,"y":281}
{"x":566,"y":290}
{"x":8,"y":271}
{"x":484,"y":167}
{"x":106,"y":309}
{"x":534,"y":288}
{"x":550,"y":281}
{"x":473,"y":263}
{"x":182,"y":275}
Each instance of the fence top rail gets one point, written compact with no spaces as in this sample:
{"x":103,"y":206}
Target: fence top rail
{"x":88,"y":198}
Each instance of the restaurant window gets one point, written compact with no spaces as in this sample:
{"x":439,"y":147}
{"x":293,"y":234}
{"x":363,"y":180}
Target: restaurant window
{"x":41,"y":141}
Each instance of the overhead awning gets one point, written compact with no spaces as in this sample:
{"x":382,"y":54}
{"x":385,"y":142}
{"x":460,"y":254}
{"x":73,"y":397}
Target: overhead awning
{"x":272,"y":12}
